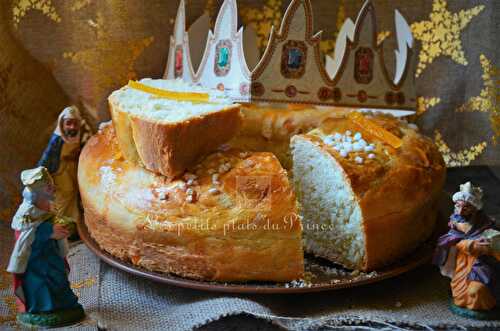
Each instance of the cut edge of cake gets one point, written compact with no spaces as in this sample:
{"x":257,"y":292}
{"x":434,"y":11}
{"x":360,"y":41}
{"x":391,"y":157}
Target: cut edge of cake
{"x":379,"y":201}
{"x":337,"y":237}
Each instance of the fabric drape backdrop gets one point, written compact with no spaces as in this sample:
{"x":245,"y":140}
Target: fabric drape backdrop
{"x":56,"y":52}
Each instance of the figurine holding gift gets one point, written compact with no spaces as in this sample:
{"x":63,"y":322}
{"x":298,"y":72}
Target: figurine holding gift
{"x":38,"y":258}
{"x":61,"y":160}
{"x":469,"y":255}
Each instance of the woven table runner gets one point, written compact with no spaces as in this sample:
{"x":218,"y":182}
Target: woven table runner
{"x":115,"y":300}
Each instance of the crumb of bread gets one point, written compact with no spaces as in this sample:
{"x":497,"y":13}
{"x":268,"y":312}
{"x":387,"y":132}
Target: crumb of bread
{"x":148,"y":106}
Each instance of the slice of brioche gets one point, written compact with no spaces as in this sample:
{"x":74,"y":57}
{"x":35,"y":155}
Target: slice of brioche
{"x":168,"y":135}
{"x":366,"y":203}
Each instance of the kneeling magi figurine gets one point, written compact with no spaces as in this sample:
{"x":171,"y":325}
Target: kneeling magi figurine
{"x":469,"y":254}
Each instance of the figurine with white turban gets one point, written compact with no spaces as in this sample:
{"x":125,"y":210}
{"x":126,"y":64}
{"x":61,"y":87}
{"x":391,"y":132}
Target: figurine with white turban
{"x":61,"y":159}
{"x":38,"y":260}
{"x":469,"y":255}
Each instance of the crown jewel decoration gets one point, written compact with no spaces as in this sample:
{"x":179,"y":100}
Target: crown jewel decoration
{"x":293,"y":69}
{"x":179,"y":57}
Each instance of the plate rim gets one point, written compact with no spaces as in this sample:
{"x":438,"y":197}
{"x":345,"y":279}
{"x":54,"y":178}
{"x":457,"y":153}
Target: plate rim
{"x":242,"y":288}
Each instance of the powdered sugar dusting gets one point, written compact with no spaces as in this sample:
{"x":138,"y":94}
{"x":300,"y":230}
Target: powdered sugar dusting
{"x":104,"y":125}
{"x":108,"y":177}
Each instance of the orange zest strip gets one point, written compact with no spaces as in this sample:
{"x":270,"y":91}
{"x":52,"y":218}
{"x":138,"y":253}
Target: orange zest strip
{"x":375,"y":130}
{"x":298,"y":106}
{"x":173,"y":95}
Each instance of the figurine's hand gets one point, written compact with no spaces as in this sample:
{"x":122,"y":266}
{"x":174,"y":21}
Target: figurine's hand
{"x":482,"y":246}
{"x":59,"y":232}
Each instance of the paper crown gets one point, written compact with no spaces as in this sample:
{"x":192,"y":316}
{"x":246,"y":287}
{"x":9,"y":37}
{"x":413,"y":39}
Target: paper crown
{"x":293,"y":69}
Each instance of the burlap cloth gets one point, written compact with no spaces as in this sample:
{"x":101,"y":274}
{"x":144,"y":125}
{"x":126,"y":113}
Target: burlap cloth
{"x":116,"y":300}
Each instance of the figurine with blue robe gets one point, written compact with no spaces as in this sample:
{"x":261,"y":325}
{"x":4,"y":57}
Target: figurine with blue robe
{"x":61,"y":160}
{"x":38,"y":260}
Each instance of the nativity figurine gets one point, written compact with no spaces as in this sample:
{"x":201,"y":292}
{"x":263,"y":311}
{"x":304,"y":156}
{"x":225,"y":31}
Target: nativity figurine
{"x":469,"y":254}
{"x":38,"y":260}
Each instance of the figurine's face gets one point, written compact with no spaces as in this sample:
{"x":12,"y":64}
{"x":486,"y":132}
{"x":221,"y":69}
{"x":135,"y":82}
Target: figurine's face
{"x":463,"y":227}
{"x":71,"y":127}
{"x":46,"y":197}
{"x":464,"y":209}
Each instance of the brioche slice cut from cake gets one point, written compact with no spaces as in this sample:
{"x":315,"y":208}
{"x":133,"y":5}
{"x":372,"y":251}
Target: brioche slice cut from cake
{"x":232,"y":217}
{"x":169,"y":125}
{"x":367,"y":188}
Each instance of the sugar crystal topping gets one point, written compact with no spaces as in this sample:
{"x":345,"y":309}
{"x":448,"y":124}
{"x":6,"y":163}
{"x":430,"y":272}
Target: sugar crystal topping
{"x":347,"y":143}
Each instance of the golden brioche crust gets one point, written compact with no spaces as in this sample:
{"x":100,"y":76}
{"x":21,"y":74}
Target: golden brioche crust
{"x":231,"y":218}
{"x":163,"y":148}
{"x":267,"y":129}
{"x":397,"y":190}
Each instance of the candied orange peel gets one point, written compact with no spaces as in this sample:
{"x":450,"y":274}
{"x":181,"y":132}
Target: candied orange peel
{"x":375,"y":130}
{"x":298,"y":106}
{"x":173,"y":95}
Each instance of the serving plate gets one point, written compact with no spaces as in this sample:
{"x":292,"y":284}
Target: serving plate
{"x":320,"y":275}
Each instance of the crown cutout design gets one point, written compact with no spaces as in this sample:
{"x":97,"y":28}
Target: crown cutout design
{"x":179,"y":56}
{"x":293,"y":69}
{"x":223,"y":64}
